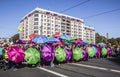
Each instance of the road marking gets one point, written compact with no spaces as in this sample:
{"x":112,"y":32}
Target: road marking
{"x":96,"y":67}
{"x":90,"y":66}
{"x":53,"y":72}
{"x":115,"y":70}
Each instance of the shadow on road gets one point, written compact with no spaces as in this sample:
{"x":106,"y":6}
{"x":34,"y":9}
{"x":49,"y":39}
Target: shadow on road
{"x":116,"y":60}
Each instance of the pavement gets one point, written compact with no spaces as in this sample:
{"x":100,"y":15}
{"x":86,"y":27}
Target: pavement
{"x":102,"y":67}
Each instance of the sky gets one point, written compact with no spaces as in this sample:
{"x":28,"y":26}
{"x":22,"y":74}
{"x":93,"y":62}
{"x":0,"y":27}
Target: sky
{"x":11,"y":12}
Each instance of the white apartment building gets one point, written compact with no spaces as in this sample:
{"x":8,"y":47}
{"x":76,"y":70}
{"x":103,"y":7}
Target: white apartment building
{"x":89,"y":33}
{"x":46,"y":22}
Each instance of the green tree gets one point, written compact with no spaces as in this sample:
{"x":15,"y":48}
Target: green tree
{"x":14,"y":37}
{"x":100,"y":38}
{"x":114,"y":41}
{"x":118,"y":40}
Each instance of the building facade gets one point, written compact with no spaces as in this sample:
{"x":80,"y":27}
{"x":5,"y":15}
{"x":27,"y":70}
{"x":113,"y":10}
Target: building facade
{"x":46,"y":22}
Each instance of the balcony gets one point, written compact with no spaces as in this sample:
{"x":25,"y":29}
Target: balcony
{"x":68,"y":30}
{"x":68,"y":34}
{"x":68,"y":24}
{"x":47,"y":13}
{"x":63,"y":23}
{"x":55,"y":14}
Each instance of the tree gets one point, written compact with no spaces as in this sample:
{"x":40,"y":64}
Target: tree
{"x":114,"y":41}
{"x":14,"y":37}
{"x":100,"y":38}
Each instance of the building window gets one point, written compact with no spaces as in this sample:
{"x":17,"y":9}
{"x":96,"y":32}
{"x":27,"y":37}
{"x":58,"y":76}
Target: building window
{"x":44,"y":27}
{"x":35,"y":31}
{"x":35,"y":27}
{"x":44,"y":31}
{"x":35,"y":23}
{"x":44,"y":23}
{"x":48,"y":28}
{"x":48,"y":20}
{"x":35,"y":19}
{"x":48,"y":32}
{"x":48,"y":35}
{"x":36,"y":15}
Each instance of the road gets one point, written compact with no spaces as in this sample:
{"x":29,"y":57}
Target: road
{"x":102,"y":67}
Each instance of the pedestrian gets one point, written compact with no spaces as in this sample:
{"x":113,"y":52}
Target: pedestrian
{"x":1,"y":53}
{"x":52,"y":61}
{"x":118,"y":51}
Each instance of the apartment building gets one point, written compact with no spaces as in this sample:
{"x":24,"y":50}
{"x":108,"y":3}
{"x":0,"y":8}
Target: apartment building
{"x":89,"y":33}
{"x":46,"y":22}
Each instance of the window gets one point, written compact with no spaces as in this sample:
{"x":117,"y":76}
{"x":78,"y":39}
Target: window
{"x":35,"y":31}
{"x":48,"y":17}
{"x":80,"y":26}
{"x":48,"y":21}
{"x":35,"y":27}
{"x":44,"y":27}
{"x":44,"y":23}
{"x":48,"y":32}
{"x":35,"y":19}
{"x":36,"y":15}
{"x":56,"y":29}
{"x":48,"y":35}
{"x":62,"y":30}
{"x":48,"y":28}
{"x":35,"y":23}
{"x":26,"y":25}
{"x":63,"y":27}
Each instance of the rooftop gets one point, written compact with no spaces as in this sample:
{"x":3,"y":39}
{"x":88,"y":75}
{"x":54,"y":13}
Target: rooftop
{"x":38,"y":9}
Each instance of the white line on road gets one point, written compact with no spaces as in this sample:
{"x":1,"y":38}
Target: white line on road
{"x":115,"y":70}
{"x":90,"y":66}
{"x":53,"y":72}
{"x":96,"y":67}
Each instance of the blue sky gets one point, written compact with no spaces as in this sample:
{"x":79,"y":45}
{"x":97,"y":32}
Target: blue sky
{"x":11,"y":12}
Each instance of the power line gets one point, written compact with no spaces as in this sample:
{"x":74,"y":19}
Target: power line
{"x":75,"y":6}
{"x":102,"y":13}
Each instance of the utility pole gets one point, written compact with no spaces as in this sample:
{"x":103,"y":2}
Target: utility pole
{"x":107,"y":36}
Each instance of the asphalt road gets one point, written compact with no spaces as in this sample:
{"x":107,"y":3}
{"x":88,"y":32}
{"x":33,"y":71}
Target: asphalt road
{"x":109,"y":67}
